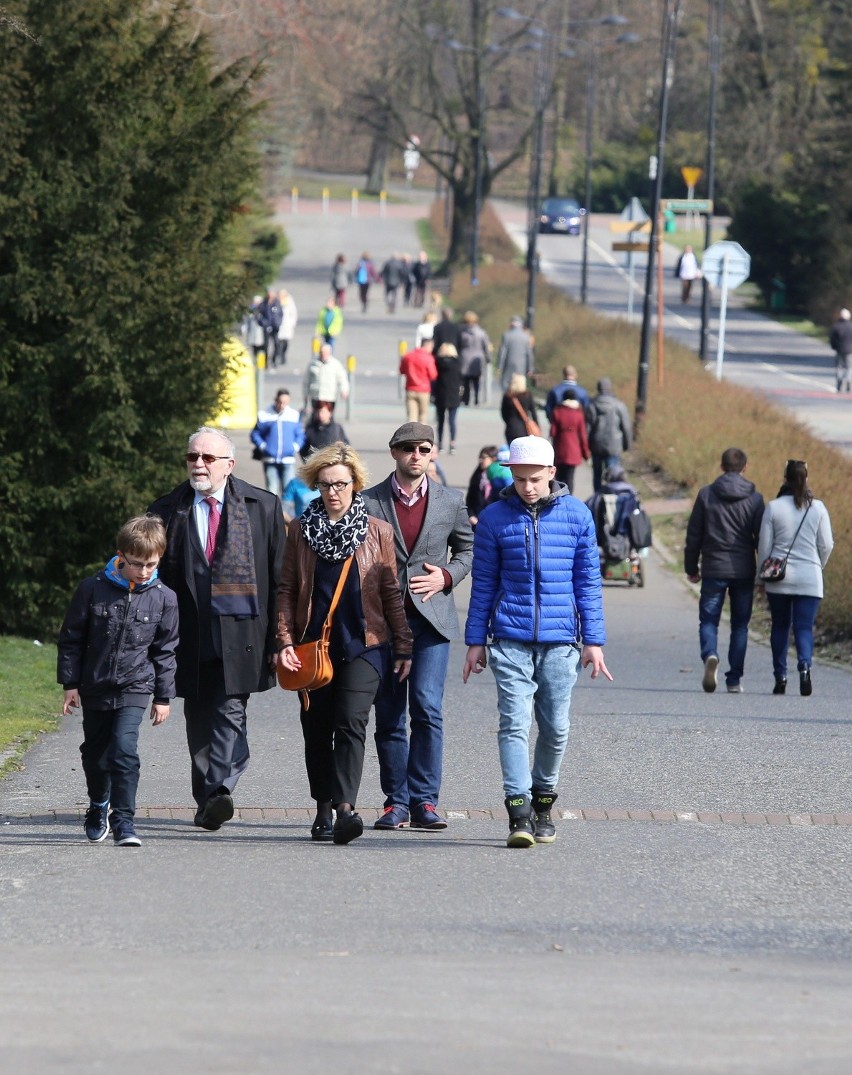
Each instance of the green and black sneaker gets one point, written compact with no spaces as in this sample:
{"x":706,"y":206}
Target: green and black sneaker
{"x":521,"y":832}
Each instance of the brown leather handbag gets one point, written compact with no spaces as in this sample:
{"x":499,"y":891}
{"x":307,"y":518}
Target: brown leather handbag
{"x":530,"y":424}
{"x":317,"y":670}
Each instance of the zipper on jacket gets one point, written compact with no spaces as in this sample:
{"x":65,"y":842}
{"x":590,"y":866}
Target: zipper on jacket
{"x":536,"y":557}
{"x":121,"y":635}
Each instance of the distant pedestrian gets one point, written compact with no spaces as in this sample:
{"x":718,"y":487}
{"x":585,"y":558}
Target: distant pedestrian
{"x":329,"y":322}
{"x":686,"y":270}
{"x":407,"y":279}
{"x":421,"y":272}
{"x":271,"y":316}
{"x":322,"y":430}
{"x":516,"y":352}
{"x":419,"y":369}
{"x":446,"y":391}
{"x":517,"y":408}
{"x":393,"y":276}
{"x":339,"y":280}
{"x":536,"y":594}
{"x":474,"y":354}
{"x":609,"y":429}
{"x":254,"y":332}
{"x":446,"y":330}
{"x":557,"y":393}
{"x":289,"y":320}
{"x":796,"y":528}
{"x":840,"y":341}
{"x":479,"y":486}
{"x":116,"y":649}
{"x":277,"y":436}
{"x":365,"y":275}
{"x":568,"y":433}
{"x":426,"y":329}
{"x":722,"y":534}
{"x":326,"y":380}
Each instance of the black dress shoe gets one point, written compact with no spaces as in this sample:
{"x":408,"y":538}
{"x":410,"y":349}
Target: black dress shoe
{"x":218,"y":809}
{"x":780,"y":686}
{"x":322,"y":828}
{"x":347,"y":827}
{"x":805,"y":685}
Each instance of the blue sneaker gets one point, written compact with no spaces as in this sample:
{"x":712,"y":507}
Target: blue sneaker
{"x":96,"y":823}
{"x":125,"y":835}
{"x":394,"y":817}
{"x":425,"y":816}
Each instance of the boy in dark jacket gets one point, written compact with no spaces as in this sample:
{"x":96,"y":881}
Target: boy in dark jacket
{"x":116,"y":648}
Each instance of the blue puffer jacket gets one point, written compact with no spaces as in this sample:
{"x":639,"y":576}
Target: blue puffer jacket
{"x":536,"y":575}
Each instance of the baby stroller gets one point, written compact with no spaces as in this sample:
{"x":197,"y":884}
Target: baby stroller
{"x":623,"y":529}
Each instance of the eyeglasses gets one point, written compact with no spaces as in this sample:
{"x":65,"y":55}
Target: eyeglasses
{"x":420,"y":449}
{"x":193,"y":457}
{"x":140,"y":566}
{"x":336,"y":487}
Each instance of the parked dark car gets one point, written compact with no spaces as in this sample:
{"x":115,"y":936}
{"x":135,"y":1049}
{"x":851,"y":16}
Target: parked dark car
{"x":560,"y":215}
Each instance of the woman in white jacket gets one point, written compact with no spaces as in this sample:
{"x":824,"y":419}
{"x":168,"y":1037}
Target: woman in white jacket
{"x":797,"y":526}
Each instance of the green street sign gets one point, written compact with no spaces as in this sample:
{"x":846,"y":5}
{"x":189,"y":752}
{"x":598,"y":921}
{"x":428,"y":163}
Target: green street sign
{"x":688,"y":205}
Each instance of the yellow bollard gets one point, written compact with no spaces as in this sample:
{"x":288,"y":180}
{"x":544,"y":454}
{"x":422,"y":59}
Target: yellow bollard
{"x":354,"y":203}
{"x":238,"y":404}
{"x":403,"y":348}
{"x":315,"y":345}
{"x":351,"y":363}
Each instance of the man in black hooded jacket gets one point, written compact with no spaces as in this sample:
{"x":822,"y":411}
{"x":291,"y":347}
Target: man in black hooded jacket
{"x":723,"y":532}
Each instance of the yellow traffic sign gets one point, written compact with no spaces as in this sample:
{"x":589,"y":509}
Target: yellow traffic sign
{"x":691,"y":176}
{"x":630,"y":225}
{"x":632,"y":248}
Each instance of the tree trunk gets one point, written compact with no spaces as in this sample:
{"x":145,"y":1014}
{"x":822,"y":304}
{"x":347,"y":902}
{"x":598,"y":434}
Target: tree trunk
{"x":377,"y":168}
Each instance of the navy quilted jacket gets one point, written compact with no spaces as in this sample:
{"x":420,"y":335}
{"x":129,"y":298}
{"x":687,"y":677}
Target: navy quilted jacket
{"x":536,"y":576}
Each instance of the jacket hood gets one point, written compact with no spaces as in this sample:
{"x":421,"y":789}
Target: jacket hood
{"x":732,"y":486}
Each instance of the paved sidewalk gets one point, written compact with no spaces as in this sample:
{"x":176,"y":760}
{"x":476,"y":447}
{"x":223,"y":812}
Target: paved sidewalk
{"x":693,"y":915}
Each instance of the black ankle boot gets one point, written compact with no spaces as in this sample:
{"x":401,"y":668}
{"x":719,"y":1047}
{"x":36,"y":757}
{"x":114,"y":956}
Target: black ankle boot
{"x":543,"y":827}
{"x":521,"y":834}
{"x":780,"y":685}
{"x":805,"y":685}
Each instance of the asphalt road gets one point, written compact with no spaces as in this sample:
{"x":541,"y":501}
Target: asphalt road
{"x":693,"y":915}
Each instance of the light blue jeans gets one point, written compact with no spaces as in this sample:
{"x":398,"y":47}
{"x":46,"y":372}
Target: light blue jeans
{"x":533,"y":678}
{"x":278,"y":476}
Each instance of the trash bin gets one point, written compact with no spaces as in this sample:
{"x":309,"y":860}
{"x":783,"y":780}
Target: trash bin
{"x":777,"y":294}
{"x":669,"y":224}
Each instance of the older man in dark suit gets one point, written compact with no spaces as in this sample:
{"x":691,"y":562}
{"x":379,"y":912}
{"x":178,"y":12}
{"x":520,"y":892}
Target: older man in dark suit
{"x":223,"y":559}
{"x":434,"y":552}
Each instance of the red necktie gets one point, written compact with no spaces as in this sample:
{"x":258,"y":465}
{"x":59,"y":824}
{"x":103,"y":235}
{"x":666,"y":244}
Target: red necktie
{"x":212,"y":527}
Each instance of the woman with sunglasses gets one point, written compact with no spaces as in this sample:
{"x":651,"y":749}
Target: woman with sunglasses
{"x":369,"y":633}
{"x":796,"y":526}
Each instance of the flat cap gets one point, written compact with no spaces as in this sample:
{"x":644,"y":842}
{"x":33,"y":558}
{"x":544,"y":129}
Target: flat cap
{"x":412,"y":433}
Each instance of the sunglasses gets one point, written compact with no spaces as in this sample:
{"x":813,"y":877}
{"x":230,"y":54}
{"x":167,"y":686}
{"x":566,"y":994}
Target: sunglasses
{"x":420,"y":449}
{"x":193,"y":457}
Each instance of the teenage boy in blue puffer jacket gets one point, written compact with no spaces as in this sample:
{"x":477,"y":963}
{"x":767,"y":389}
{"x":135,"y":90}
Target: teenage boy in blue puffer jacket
{"x":537,"y":593}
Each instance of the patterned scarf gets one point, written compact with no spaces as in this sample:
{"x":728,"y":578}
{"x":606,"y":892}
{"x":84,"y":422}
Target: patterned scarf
{"x":334,"y":541}
{"x":234,"y":580}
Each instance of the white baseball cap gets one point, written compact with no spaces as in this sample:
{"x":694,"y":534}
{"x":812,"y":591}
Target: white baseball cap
{"x":530,"y":451}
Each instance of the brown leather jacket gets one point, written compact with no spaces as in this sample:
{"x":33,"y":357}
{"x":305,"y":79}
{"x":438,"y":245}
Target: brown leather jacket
{"x":381,"y":597}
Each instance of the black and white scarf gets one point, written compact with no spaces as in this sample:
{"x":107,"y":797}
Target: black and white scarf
{"x":334,"y":541}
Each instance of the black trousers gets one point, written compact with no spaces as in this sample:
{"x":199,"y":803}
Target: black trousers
{"x":565,"y":473}
{"x":215,"y":734}
{"x":335,"y":729}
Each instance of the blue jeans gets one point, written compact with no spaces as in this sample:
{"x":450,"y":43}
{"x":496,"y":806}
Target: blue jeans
{"x":278,"y":476}
{"x":799,"y":612}
{"x":111,"y":757}
{"x":599,"y":465}
{"x":410,"y":769}
{"x":533,"y":678}
{"x":741,"y":596}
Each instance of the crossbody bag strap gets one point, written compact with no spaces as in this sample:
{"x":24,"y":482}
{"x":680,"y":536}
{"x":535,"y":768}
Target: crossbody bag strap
{"x":521,"y":410}
{"x":341,"y":582}
{"x":798,"y":528}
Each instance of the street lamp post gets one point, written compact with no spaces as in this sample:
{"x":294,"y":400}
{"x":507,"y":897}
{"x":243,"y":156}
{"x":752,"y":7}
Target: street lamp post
{"x":715,"y":42}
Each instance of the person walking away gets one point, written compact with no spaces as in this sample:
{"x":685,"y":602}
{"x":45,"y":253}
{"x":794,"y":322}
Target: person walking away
{"x":426,"y":330}
{"x":326,"y":380}
{"x":557,"y":393}
{"x":568,"y":433}
{"x":322,"y":430}
{"x":289,"y":320}
{"x":419,"y":369}
{"x":720,"y":548}
{"x":116,"y":649}
{"x":365,"y":274}
{"x":795,"y":526}
{"x":517,"y":408}
{"x":433,"y":543}
{"x":479,"y":486}
{"x":393,"y":276}
{"x":609,"y":429}
{"x":339,"y":280}
{"x":421,"y":272}
{"x":516,"y":353}
{"x":254,"y":334}
{"x":370,"y":636}
{"x":224,"y":548}
{"x":840,"y":341}
{"x":536,"y":594}
{"x":686,"y":270}
{"x":277,"y":436}
{"x":407,"y":279}
{"x":271,"y":316}
{"x":474,"y":354}
{"x":329,"y":322}
{"x":446,"y":330}
{"x":446,"y":392}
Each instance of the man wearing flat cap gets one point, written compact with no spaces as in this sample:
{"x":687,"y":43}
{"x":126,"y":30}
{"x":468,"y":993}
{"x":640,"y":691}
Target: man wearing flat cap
{"x":434,"y":543}
{"x":536,"y":605}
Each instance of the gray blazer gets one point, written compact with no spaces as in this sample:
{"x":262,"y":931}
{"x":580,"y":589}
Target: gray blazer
{"x":445,"y":539}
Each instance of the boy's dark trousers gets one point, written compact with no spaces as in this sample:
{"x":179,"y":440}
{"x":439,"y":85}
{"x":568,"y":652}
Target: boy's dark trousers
{"x":111,"y":758}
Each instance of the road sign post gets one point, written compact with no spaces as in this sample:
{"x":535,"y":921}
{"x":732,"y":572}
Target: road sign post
{"x":725,"y":265}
